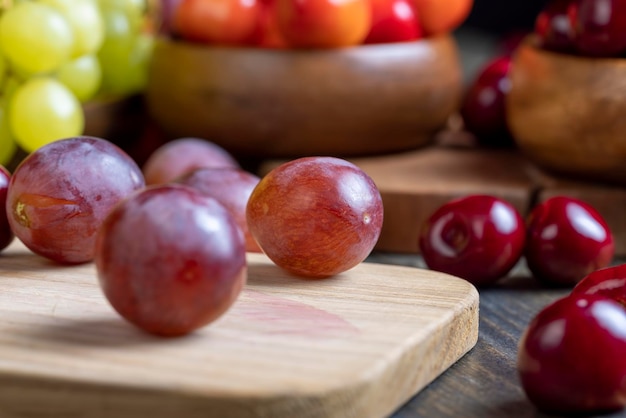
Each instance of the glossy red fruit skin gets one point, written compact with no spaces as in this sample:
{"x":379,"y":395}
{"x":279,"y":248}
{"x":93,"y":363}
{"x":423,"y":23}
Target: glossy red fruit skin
{"x":478,"y":238}
{"x":483,"y":108}
{"x":231,"y":187}
{"x":170,"y":260}
{"x":609,"y":282}
{"x":6,"y":235}
{"x":393,"y":21}
{"x":571,"y":356}
{"x":316,"y":217}
{"x":554,"y":28}
{"x":567,"y":239}
{"x":599,"y":27}
{"x":60,"y":194}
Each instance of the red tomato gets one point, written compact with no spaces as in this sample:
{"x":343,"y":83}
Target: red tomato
{"x":323,"y":23}
{"x":393,"y":21}
{"x":442,"y":16}
{"x":267,"y":34}
{"x":227,"y":22}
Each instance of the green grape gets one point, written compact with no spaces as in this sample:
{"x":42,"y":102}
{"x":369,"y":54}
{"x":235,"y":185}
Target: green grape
{"x":85,"y":21}
{"x":133,"y":71}
{"x":82,"y":76}
{"x":3,"y":71}
{"x":43,"y":110}
{"x":116,"y":49}
{"x":35,"y":37}
{"x":133,"y":9}
{"x":10,"y":87}
{"x":8,"y":147}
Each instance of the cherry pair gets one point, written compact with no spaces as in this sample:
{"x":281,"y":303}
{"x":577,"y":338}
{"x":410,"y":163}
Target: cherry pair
{"x":480,"y":238}
{"x":571,"y":356}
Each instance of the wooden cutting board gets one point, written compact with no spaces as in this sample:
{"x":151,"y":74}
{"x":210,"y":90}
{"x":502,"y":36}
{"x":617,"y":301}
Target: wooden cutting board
{"x":356,"y":345}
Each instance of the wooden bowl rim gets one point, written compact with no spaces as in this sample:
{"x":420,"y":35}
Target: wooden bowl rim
{"x":430,"y":42}
{"x":531,"y":42}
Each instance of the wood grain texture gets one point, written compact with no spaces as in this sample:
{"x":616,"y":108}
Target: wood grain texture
{"x":484,"y":383}
{"x":566,"y":112}
{"x":414,"y":184}
{"x":264,"y":103}
{"x":356,"y":345}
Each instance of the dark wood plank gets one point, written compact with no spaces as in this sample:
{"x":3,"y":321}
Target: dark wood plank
{"x":484,"y":383}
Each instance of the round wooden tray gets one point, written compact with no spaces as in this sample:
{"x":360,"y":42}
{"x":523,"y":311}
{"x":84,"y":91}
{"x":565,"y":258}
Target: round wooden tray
{"x":284,"y":103}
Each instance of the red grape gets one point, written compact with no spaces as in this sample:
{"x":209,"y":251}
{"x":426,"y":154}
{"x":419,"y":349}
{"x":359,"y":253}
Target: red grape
{"x":316,"y":216}
{"x":232,"y":188}
{"x":170,"y":260}
{"x":59,"y":195}
{"x":6,"y":235}
{"x":179,"y":157}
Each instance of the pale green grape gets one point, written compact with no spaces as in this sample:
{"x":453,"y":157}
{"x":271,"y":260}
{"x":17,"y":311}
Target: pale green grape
{"x":8,"y":147}
{"x":131,"y":73}
{"x":3,"y":71}
{"x":116,"y":49}
{"x":35,"y":37}
{"x":85,"y":21}
{"x":11,"y":85}
{"x":133,"y":9}
{"x":82,"y":76}
{"x":43,"y":110}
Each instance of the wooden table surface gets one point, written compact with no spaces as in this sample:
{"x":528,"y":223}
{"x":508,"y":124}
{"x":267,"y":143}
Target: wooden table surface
{"x":484,"y":383}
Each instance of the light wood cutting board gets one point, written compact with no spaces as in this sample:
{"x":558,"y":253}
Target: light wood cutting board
{"x":357,"y":345}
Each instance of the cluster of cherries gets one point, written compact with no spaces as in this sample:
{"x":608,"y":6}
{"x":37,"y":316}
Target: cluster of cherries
{"x":480,"y":238}
{"x":584,"y":27}
{"x":592,"y":28}
{"x":309,"y":23}
{"x":566,"y":242}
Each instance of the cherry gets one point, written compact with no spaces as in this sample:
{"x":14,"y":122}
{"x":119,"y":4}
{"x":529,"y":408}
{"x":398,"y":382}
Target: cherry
{"x":483,"y":109}
{"x":571,"y":356}
{"x":479,"y":238}
{"x":6,"y":235}
{"x":554,"y":28}
{"x":599,"y":26}
{"x":609,"y":282}
{"x":567,"y":239}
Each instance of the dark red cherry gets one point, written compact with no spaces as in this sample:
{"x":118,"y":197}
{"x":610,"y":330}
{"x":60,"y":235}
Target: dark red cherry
{"x":609,"y":282}
{"x":599,"y":26}
{"x":483,"y":109}
{"x":479,"y":238}
{"x":567,"y":239}
{"x":571,"y":357}
{"x":6,"y":235}
{"x":554,"y":27}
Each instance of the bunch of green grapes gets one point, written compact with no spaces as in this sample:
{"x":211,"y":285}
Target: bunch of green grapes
{"x":56,"y":55}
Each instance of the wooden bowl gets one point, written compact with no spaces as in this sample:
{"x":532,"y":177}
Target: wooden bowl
{"x":567,"y":113}
{"x":284,"y":103}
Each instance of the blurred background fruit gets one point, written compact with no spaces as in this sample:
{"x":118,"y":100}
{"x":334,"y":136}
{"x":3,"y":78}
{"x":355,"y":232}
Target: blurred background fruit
{"x":58,"y":58}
